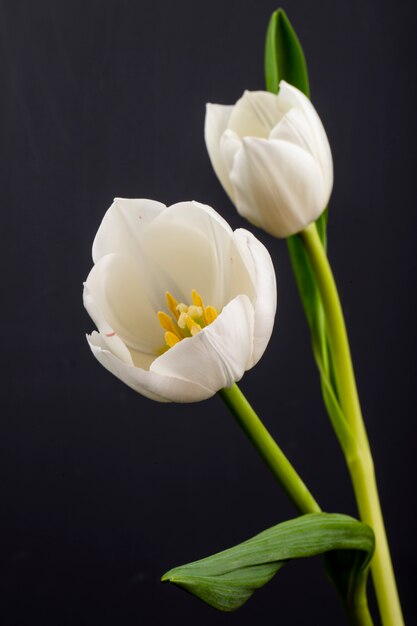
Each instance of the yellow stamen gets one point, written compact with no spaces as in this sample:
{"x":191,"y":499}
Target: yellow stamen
{"x":167,"y":324}
{"x":172,"y":305}
{"x":197,"y":299}
{"x":182,"y":320}
{"x":187,"y":320}
{"x":192,"y":326}
{"x":195,"y":311}
{"x":210,"y":314}
{"x":171,"y":339}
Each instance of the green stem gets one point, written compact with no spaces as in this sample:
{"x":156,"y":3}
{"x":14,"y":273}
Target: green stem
{"x":291,"y":482}
{"x":359,"y":458}
{"x":269,"y":450}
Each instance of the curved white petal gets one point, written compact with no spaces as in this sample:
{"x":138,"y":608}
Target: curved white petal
{"x":122,"y":226}
{"x":217,"y":117}
{"x":254,"y":114}
{"x":295,"y":129}
{"x":259,"y":265}
{"x":116,"y":287}
{"x":282,"y":182}
{"x":230,"y":143}
{"x":112,"y":341}
{"x":186,"y":248}
{"x":291,"y":97}
{"x":219,"y":354}
{"x":242,"y":278}
{"x":230,"y":146}
{"x":150,"y":384}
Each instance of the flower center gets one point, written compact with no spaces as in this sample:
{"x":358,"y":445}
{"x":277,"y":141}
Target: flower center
{"x":186,"y":320}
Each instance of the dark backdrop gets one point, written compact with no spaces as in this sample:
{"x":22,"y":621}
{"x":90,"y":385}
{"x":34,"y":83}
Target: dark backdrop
{"x":102,"y":490}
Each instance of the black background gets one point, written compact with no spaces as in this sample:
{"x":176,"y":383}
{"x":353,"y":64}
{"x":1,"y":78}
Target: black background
{"x":102,"y":490}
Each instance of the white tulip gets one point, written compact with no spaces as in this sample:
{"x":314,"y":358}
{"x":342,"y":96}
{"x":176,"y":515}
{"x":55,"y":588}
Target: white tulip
{"x":272,"y":156}
{"x":183,"y":305}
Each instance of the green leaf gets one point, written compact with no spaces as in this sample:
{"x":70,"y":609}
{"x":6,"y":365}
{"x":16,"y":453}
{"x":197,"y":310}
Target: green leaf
{"x":306,"y":282}
{"x":338,"y":419}
{"x":345,"y":569}
{"x":226,"y":580}
{"x":284,"y":56}
{"x":313,"y":308}
{"x":285,"y":60}
{"x":312,"y":304}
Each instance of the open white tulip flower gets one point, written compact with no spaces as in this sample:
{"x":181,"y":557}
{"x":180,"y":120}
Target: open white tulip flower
{"x":183,"y":304}
{"x":271,"y":154}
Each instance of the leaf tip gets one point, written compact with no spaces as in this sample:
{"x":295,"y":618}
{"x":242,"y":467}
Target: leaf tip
{"x":167,"y":577}
{"x":279,"y":15}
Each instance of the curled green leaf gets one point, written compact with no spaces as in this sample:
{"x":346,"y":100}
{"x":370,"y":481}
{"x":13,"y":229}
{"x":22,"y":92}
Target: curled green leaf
{"x":226,"y":580}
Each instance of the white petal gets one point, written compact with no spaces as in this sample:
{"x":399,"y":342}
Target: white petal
{"x":187,"y":247}
{"x":281,"y":182}
{"x":122,"y":226}
{"x":230,"y":143}
{"x":219,"y":354}
{"x":217,"y":116}
{"x":254,"y":114}
{"x":149,"y":384}
{"x":295,"y":129}
{"x":139,"y":359}
{"x":242,"y":279}
{"x":116,"y":286}
{"x":259,"y":264}
{"x":112,"y":341}
{"x":288,"y":97}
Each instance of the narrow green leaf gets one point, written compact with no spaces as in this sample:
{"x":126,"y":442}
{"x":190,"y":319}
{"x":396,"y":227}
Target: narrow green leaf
{"x":321,"y":224}
{"x":284,"y":56}
{"x":305,"y":279}
{"x":226,"y":580}
{"x":311,"y":301}
{"x":285,"y":60}
{"x":338,"y":419}
{"x":313,"y":309}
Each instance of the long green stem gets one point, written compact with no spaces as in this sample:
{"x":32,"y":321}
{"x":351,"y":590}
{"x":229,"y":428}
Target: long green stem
{"x":359,"y":459}
{"x":269,"y":450}
{"x":291,"y":482}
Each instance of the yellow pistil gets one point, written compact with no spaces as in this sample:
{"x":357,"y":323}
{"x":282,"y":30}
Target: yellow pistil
{"x":187,"y":319}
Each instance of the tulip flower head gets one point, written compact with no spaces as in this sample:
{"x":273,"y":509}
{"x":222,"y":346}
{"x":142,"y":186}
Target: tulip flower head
{"x":183,"y":305}
{"x":271,"y":154}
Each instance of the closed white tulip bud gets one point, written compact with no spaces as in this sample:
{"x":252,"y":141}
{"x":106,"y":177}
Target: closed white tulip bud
{"x":182,"y":303}
{"x":272,"y":156}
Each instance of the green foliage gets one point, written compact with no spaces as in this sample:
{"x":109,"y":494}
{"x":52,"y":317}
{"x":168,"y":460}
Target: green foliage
{"x":285,"y":60}
{"x":226,"y":580}
{"x":284,"y":56}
